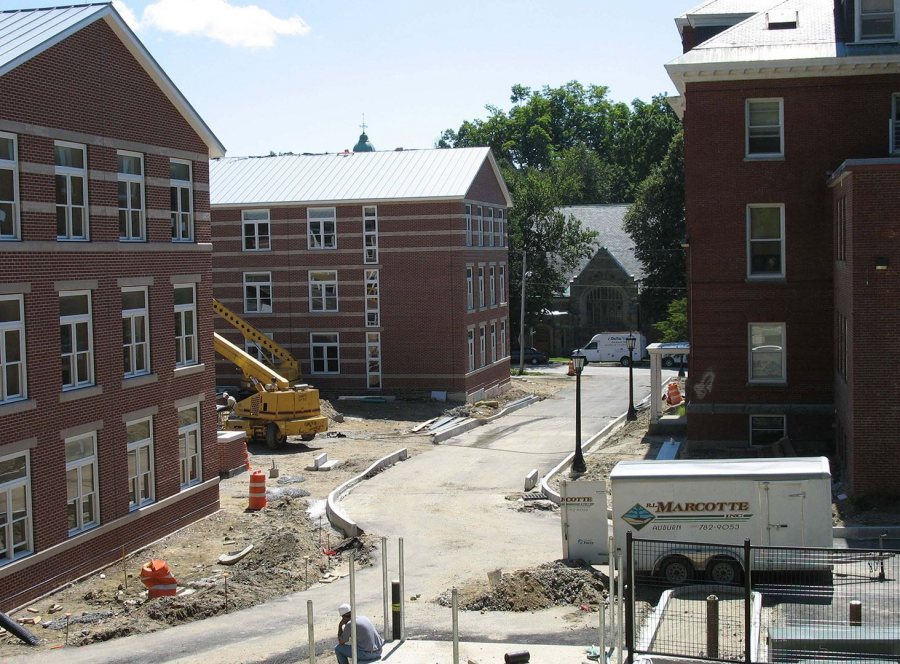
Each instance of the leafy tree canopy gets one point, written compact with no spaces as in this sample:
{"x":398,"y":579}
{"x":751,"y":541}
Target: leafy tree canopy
{"x":675,"y":326}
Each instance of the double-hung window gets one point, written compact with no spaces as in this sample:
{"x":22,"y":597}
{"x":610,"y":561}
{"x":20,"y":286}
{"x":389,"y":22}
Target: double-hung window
{"x":181,"y":200}
{"x":492,"y":285}
{"x":71,"y":191}
{"x":489,"y":222}
{"x":15,"y":507}
{"x":185,"y":325}
{"x":501,"y":228}
{"x":373,"y":299}
{"x":12,"y":349}
{"x":370,"y":234}
{"x":130,"y":181}
{"x":139,"y":435}
{"x":766,"y":429}
{"x":479,"y":225}
{"x":373,"y":360}
{"x":503,"y":338}
{"x":767,"y":355}
{"x":481,"y":286}
{"x":765,"y":241}
{"x":189,"y":445}
{"x":493,"y":342}
{"x":76,"y":339}
{"x":322,"y":225}
{"x":9,"y":188}
{"x":502,"y":284}
{"x":482,"y":345}
{"x":468,"y":225}
{"x":257,"y":234}
{"x":470,"y":294}
{"x":135,"y":332}
{"x":258,"y":292}
{"x":765,"y":128}
{"x":325,"y":352}
{"x":470,"y":348}
{"x":323,"y":290}
{"x":259,"y":351}
{"x":876,"y":20}
{"x":82,"y":504}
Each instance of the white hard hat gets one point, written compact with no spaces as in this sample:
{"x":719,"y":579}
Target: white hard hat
{"x":343,"y":609}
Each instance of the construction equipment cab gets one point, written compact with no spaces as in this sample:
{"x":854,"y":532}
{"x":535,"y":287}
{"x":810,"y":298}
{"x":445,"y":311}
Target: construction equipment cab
{"x":278,"y":408}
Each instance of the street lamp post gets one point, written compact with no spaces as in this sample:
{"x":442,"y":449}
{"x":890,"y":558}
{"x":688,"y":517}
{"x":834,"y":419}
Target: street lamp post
{"x":630,"y":341}
{"x":578,"y":465}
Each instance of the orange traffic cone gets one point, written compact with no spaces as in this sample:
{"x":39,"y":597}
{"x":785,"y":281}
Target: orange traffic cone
{"x":571,"y":368}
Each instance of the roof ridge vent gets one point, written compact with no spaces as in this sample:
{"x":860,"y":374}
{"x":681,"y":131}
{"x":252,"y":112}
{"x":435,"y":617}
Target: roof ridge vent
{"x":782,"y":19}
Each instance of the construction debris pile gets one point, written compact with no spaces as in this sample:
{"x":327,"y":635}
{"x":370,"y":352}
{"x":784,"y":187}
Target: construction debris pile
{"x":558,"y":583}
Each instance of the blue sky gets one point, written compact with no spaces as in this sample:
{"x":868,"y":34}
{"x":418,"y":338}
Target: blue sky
{"x":297,"y":76}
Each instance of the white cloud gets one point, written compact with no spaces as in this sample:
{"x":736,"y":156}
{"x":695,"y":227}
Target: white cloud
{"x":249,"y":26}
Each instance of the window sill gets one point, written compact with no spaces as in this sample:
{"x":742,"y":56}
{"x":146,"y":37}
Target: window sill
{"x":189,"y":370}
{"x":72,"y":239}
{"x":863,"y":42}
{"x":81,"y":393}
{"x":132,"y":240}
{"x":82,"y":531}
{"x":142,"y":506}
{"x":764,"y":157}
{"x":16,"y":407}
{"x":756,"y":279}
{"x":762,"y":383}
{"x":139,"y":381}
{"x":9,"y":238}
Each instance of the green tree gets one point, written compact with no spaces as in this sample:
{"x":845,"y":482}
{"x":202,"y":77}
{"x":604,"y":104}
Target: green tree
{"x":675,"y":326}
{"x":656,"y":225}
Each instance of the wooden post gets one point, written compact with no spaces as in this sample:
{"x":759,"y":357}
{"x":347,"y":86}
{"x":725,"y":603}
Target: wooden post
{"x":712,"y":627}
{"x":856,"y":613}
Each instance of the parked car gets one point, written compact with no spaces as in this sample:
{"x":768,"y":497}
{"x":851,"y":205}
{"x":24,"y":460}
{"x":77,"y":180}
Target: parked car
{"x":532,"y":356}
{"x":670,"y":361}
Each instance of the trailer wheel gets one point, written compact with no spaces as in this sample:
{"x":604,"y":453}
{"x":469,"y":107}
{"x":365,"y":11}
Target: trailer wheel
{"x":274,"y":440}
{"x":624,"y":360}
{"x":723,"y":571}
{"x":676,"y":570}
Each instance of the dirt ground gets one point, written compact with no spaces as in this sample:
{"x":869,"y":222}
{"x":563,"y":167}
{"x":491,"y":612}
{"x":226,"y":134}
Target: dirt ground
{"x":294,"y":546}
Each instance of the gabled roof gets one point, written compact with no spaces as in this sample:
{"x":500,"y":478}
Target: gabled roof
{"x":26,"y":33}
{"x":348,"y":177}
{"x":608,"y":220}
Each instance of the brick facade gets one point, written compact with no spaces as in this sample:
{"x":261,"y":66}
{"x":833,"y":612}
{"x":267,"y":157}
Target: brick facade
{"x":88,"y":89}
{"x":423,"y":317}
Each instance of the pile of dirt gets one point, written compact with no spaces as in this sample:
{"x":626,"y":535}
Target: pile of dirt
{"x":559,"y":583}
{"x":330,"y":411}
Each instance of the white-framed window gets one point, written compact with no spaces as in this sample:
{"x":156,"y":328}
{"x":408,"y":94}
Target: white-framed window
{"x":9,"y":187}
{"x":15,"y":507}
{"x":189,"y":448}
{"x":258,"y":292}
{"x":185,"y":325}
{"x":502,"y":284}
{"x":323,"y":290}
{"x":492,"y":285}
{"x":479,"y":225}
{"x":181,"y":196}
{"x":141,"y":488}
{"x":322,"y":228}
{"x":470,"y":348}
{"x":135,"y":332}
{"x":470,"y":290}
{"x":765,"y":128}
{"x":503,"y":352}
{"x":894,"y":126}
{"x":259,"y":352}
{"x":493,"y":342}
{"x":13,"y":379}
{"x":370,"y":234}
{"x":481,"y":286}
{"x":767,"y":355}
{"x":840,"y":229}
{"x":130,"y":182}
{"x":325,"y":352}
{"x":501,"y":227}
{"x":373,"y":296}
{"x":489,"y":222}
{"x":76,"y":339}
{"x":256,"y":229}
{"x":841,"y":341}
{"x":82,"y":500}
{"x":766,"y":429}
{"x":482,"y":345}
{"x":70,"y":171}
{"x":765,"y":241}
{"x":876,"y":20}
{"x":468,"y":225}
{"x":373,"y":360}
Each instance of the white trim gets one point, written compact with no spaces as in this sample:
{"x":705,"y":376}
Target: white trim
{"x":255,"y":223}
{"x":14,"y":326}
{"x":135,"y":447}
{"x":129,"y":179}
{"x":78,"y":465}
{"x":370,"y":252}
{"x":133,"y":350}
{"x":258,"y":300}
{"x":783,"y":425}
{"x":333,"y":342}
{"x":184,"y":461}
{"x":69,"y":172}
{"x":192,"y":358}
{"x":13,"y":165}
{"x":12,"y":485}
{"x":857,"y":25}
{"x":766,"y":381}
{"x":373,"y":360}
{"x":323,"y":297}
{"x":764,"y":276}
{"x":72,"y":321}
{"x":320,"y":222}
{"x":179,"y":184}
{"x":763,"y":155}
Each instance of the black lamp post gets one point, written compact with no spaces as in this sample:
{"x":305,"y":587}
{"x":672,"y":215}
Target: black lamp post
{"x":632,"y":414}
{"x":578,"y":465}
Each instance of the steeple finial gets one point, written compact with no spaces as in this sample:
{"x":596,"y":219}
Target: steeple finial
{"x":364,"y":125}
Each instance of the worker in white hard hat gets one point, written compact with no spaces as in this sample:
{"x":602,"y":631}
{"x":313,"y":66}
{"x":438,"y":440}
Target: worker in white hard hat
{"x":368,"y":640}
{"x":230,"y":401}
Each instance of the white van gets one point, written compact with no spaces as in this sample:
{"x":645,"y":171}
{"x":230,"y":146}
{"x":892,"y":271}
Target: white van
{"x":611,"y":347}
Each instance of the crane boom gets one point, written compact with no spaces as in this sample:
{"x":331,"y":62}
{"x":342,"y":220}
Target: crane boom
{"x":249,"y":365}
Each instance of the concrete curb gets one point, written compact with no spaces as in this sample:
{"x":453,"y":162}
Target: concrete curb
{"x":336,"y":516}
{"x":864,"y":532}
{"x":467,"y":425}
{"x":552,"y":495}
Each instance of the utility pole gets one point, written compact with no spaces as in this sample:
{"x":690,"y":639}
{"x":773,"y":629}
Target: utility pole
{"x":522,"y":319}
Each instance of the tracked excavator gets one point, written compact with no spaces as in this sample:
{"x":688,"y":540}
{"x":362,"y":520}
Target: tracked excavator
{"x":279,"y":407}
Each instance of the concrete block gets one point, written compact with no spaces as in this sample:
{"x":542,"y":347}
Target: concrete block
{"x":532,"y":479}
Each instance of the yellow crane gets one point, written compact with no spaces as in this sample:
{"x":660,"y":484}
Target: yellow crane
{"x":279,"y":408}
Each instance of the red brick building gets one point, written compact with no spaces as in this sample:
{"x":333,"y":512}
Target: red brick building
{"x":106,"y":362}
{"x":382,"y":272}
{"x":790,"y":112}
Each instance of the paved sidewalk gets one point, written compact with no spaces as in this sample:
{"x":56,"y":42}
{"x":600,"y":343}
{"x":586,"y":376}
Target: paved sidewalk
{"x":441,"y":652}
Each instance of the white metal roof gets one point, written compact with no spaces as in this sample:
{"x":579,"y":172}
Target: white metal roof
{"x":25,"y":33}
{"x":729,"y":7}
{"x":349,"y":177}
{"x":758,"y":469}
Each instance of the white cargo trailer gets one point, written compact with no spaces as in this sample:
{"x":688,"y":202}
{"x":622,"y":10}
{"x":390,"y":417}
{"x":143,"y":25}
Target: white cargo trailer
{"x":771,"y":502}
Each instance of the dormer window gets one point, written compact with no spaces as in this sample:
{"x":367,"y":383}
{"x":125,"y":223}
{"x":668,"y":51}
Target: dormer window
{"x":876,"y":20}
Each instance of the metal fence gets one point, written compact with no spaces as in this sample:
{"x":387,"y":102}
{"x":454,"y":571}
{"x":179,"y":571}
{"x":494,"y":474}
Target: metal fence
{"x":761,"y":604}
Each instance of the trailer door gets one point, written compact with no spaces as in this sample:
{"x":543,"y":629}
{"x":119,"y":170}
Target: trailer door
{"x":784,"y":503}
